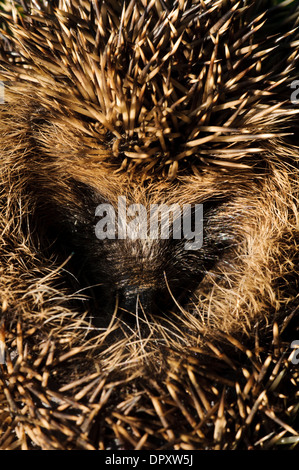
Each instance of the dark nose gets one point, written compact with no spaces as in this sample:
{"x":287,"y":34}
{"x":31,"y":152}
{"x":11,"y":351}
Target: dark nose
{"x":135,"y":304}
{"x":137,"y":301}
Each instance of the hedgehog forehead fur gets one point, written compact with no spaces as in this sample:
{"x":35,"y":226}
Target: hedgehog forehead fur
{"x":160,"y":102}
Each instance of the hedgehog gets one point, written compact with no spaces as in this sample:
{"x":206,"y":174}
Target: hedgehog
{"x":121,"y":339}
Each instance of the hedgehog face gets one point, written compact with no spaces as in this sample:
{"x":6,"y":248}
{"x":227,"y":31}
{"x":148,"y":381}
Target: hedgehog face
{"x":158,"y":261}
{"x":145,"y":275}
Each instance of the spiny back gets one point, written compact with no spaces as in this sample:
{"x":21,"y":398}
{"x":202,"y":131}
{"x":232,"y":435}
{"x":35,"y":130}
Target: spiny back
{"x":159,"y":82}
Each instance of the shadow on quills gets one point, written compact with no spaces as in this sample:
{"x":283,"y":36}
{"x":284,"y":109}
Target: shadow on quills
{"x":140,"y":343}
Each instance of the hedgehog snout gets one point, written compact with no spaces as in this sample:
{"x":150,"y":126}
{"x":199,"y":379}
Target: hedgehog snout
{"x":137,"y":300}
{"x":132,"y":288}
{"x":133,"y":303}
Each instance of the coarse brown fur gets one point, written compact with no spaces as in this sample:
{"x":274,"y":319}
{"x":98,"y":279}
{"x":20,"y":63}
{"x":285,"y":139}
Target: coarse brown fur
{"x":83,"y":370}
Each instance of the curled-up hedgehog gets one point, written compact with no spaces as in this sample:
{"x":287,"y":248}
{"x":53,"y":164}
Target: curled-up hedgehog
{"x":149,"y":224}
